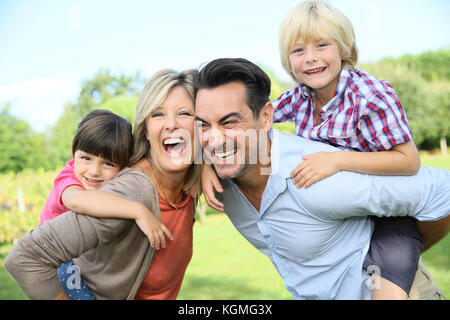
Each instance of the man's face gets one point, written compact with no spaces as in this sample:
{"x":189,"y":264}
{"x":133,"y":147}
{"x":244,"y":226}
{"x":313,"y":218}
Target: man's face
{"x":229,"y":133}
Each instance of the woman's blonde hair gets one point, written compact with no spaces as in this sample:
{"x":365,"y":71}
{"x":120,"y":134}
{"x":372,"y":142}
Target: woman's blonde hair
{"x":315,"y":20}
{"x":152,"y":96}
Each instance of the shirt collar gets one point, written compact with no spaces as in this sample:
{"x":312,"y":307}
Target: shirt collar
{"x":276,"y":152}
{"x":344,"y":79}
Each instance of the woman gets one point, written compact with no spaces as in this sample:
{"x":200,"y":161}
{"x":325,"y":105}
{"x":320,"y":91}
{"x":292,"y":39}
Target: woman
{"x":114,"y":257}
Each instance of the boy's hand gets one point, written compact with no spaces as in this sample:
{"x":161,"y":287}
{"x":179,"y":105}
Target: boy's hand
{"x":209,"y":183}
{"x":153,"y":229}
{"x":315,"y":167}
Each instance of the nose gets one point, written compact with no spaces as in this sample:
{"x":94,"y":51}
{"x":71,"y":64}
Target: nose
{"x":214,"y":137}
{"x":95,"y":169}
{"x":310,"y":55}
{"x":171,"y":123}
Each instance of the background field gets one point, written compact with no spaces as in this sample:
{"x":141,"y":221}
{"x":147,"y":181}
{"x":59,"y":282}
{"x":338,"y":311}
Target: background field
{"x":224,"y":264}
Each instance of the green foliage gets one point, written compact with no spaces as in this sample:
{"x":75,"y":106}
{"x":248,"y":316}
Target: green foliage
{"x":432,"y":65}
{"x":35,"y":186}
{"x":118,"y":94}
{"x":123,"y":105}
{"x":102,"y":87}
{"x":20,"y":146}
{"x":426,"y":103}
{"x":278,"y":86}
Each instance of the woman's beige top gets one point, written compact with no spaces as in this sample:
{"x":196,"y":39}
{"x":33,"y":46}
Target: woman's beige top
{"x":114,"y":255}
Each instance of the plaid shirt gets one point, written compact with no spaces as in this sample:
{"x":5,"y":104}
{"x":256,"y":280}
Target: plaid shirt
{"x":365,"y":114}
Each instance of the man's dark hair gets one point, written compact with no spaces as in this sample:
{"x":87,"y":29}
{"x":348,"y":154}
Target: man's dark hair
{"x":226,"y":70}
{"x":103,"y":133}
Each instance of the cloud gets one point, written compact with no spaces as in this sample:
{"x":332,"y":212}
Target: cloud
{"x":39,"y":101}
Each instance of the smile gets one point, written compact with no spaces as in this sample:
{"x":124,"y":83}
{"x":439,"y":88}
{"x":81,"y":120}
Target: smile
{"x":93,"y":181}
{"x":225,"y":155}
{"x":315,"y":71}
{"x":174,"y":147}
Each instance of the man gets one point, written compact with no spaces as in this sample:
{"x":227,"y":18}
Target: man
{"x":317,"y":238}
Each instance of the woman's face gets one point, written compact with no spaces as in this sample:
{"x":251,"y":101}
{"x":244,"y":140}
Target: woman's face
{"x":170,"y":131}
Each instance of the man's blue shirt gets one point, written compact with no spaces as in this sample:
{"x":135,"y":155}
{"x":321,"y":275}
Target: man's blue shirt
{"x":317,"y":237}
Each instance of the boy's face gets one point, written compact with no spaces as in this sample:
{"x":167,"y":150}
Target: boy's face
{"x":317,"y":64}
{"x":93,"y":171}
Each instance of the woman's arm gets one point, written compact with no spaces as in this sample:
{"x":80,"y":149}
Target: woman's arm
{"x":402,"y":159}
{"x":104,"y":205}
{"x":34,"y":259}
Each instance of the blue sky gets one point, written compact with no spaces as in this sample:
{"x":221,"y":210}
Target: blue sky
{"x":48,"y":47}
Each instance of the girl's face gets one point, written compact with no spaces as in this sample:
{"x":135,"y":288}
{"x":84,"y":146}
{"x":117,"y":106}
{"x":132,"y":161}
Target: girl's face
{"x":170,"y":131}
{"x":93,"y":171}
{"x":317,"y":65}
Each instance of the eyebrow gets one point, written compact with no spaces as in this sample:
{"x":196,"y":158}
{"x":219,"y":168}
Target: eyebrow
{"x":224,"y":118}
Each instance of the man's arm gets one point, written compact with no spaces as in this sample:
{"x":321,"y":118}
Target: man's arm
{"x":432,"y":232}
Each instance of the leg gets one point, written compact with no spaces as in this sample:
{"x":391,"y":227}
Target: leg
{"x":424,"y":286}
{"x":74,"y":287}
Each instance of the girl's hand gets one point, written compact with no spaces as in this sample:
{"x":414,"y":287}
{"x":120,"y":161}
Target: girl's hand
{"x":315,"y":167}
{"x":153,"y":229}
{"x":210,"y":182}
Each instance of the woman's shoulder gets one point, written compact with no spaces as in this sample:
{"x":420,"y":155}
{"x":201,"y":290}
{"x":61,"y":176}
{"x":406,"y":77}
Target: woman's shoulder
{"x":131,"y":182}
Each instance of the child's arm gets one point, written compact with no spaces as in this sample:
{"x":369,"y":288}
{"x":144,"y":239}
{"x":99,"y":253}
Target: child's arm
{"x":402,"y":159}
{"x":104,"y":205}
{"x":210,"y":181}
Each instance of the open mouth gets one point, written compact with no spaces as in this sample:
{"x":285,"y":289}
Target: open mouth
{"x":315,"y":71}
{"x":174,"y":147}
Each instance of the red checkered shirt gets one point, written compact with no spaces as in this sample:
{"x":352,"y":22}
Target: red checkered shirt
{"x":365,"y":114}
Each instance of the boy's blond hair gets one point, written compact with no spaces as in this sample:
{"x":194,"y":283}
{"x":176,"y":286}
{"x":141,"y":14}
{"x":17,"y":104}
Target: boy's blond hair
{"x":312,"y":21}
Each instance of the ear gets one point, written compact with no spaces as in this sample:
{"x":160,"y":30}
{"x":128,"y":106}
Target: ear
{"x":266,"y":116}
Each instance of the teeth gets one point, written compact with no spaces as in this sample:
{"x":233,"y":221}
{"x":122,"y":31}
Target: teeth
{"x":224,"y":154}
{"x":315,"y":70}
{"x":173,"y":141}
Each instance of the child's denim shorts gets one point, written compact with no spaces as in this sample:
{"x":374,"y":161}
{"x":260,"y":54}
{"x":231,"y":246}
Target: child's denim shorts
{"x":72,"y":283}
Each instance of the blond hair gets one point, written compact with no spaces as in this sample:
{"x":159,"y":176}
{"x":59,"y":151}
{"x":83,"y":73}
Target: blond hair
{"x":312,"y":21}
{"x":152,"y":96}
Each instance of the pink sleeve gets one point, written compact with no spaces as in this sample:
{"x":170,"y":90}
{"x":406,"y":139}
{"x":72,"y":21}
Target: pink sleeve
{"x":65,"y":179}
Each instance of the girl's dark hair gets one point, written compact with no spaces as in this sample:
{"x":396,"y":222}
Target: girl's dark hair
{"x":105,"y":134}
{"x":226,"y":70}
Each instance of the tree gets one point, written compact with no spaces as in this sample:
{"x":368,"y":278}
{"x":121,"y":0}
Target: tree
{"x":20,"y":146}
{"x":425,"y":115}
{"x":277,"y":88}
{"x":104,"y":91}
{"x":103,"y":86}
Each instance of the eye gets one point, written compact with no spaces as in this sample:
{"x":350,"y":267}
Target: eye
{"x":297,"y":50}
{"x":157,"y":114}
{"x":230,"y":123}
{"x":185,"y":113}
{"x":110,"y":164}
{"x":86,"y":158}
